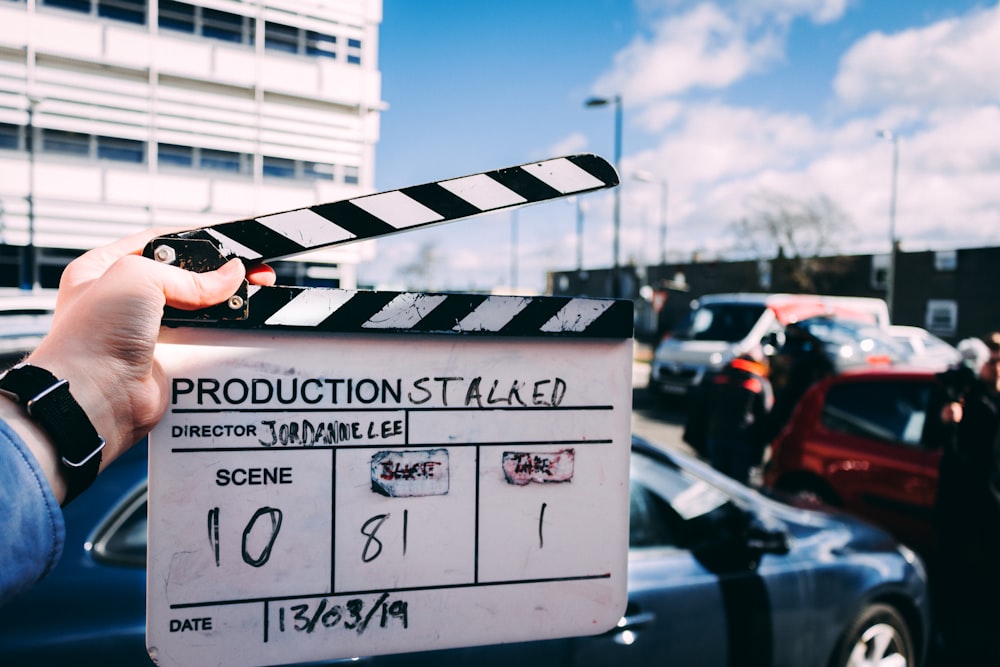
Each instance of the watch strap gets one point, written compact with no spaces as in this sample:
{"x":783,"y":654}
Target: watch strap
{"x":49,"y":403}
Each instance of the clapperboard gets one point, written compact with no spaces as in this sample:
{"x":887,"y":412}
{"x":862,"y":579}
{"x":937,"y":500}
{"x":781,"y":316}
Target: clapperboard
{"x":345,"y":473}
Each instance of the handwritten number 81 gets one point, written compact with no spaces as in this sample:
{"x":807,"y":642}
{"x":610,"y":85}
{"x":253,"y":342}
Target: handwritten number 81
{"x":373,"y":545}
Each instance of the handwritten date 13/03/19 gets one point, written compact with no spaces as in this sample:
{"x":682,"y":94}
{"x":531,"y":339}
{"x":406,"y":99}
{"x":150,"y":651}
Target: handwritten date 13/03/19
{"x":353,"y":615}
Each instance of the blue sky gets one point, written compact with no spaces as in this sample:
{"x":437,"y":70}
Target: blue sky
{"x":722,"y":100}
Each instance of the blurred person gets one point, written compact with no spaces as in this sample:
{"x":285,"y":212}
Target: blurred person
{"x":801,"y":361}
{"x":967,"y":510}
{"x":726,"y":423}
{"x":974,"y":353}
{"x":102,"y":344}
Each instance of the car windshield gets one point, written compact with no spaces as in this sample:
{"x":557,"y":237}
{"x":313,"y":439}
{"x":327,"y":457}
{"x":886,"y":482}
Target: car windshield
{"x":729,"y":322}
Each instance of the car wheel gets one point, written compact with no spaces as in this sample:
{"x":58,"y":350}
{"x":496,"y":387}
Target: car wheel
{"x":879,"y":637}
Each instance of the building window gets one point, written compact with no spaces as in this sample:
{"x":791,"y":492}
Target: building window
{"x":121,"y":150}
{"x":73,"y":5}
{"x":317,"y":171}
{"x":10,"y":136}
{"x":880,"y":271}
{"x":278,"y":37}
{"x":175,"y":156}
{"x":941,"y":317}
{"x":946,"y":260}
{"x":351,"y":175}
{"x":354,"y":51}
{"x":320,"y":45}
{"x":277,"y":167}
{"x":220,"y":160}
{"x":764,"y":274}
{"x":176,"y":16}
{"x":132,"y":11}
{"x":225,"y":26}
{"x":66,"y":143}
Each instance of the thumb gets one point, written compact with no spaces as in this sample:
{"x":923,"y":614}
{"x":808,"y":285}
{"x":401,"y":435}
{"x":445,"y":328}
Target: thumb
{"x":189,"y":290}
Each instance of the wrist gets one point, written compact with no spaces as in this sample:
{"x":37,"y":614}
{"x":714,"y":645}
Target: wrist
{"x":93,"y":387}
{"x":70,"y":435}
{"x":37,"y":441}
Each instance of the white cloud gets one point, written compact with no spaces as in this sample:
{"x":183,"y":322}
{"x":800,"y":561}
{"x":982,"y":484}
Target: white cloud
{"x":818,"y":11}
{"x":947,"y":63}
{"x":713,"y":142}
{"x":702,"y":48}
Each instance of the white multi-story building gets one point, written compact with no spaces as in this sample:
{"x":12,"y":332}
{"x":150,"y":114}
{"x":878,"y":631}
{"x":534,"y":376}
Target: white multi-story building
{"x":117,"y":115}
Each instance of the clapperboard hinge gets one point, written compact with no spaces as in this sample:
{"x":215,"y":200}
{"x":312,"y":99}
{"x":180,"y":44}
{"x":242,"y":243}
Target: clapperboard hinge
{"x":285,"y":234}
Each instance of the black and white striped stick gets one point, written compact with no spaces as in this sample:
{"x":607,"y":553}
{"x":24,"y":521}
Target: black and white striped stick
{"x":290,"y":233}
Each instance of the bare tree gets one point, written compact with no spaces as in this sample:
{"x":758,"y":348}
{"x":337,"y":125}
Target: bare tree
{"x":799,"y":230}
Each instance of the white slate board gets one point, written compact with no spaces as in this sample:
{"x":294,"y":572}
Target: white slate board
{"x":321,"y":496}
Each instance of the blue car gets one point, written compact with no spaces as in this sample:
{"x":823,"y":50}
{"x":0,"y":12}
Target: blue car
{"x":718,"y":575}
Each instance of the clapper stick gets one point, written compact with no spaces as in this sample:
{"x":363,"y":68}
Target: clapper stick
{"x":289,"y":233}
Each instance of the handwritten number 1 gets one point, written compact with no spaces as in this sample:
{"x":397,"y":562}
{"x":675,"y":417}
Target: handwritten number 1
{"x":541,"y":521}
{"x":213,"y":532}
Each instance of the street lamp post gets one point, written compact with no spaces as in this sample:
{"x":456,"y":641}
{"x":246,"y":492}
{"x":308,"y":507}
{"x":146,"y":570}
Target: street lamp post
{"x":889,"y":135}
{"x":615,"y":270}
{"x":579,"y":233}
{"x":513,"y":249}
{"x":29,"y":257}
{"x":647,"y":177}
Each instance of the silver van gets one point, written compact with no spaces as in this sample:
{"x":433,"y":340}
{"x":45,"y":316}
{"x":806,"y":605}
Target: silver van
{"x":720,"y":327}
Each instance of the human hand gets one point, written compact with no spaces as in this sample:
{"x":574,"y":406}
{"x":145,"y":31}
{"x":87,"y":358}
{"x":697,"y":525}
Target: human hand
{"x":951,"y":413}
{"x":104,"y":333}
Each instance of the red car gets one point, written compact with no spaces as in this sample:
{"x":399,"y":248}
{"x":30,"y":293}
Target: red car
{"x":864,"y":441}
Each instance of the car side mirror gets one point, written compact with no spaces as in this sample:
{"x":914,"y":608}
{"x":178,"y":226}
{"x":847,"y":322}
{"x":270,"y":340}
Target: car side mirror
{"x":735,"y":539}
{"x":764,"y":539}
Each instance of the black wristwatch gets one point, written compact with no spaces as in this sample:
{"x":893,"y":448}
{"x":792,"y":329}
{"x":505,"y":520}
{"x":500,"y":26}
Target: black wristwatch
{"x":49,"y":403}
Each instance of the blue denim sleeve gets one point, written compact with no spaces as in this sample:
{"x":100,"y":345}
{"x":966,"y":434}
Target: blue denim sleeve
{"x":32,"y":531}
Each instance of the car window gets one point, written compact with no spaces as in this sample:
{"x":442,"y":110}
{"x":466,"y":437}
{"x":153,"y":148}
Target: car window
{"x":730,"y":322}
{"x":853,"y":342}
{"x":907,"y":345}
{"x":670,"y":507}
{"x":893,"y":411}
{"x":121,"y":539}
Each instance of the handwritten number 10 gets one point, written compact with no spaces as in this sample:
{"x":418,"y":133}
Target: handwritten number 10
{"x":272,"y":513}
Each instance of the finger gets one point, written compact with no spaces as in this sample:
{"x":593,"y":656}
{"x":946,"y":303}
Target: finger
{"x":188,"y":290}
{"x":94,"y":263}
{"x":261,"y":274}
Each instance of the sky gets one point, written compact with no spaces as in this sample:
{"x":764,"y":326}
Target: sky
{"x":722,"y":103}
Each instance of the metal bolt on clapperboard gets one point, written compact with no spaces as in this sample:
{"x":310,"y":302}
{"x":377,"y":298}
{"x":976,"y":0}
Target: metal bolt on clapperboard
{"x":344,"y":473}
